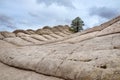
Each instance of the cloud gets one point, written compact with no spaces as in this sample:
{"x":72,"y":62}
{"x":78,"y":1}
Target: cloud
{"x":6,"y":21}
{"x":66,"y":3}
{"x":51,"y":15}
{"x":104,"y":12}
{"x":33,"y":15}
{"x":54,"y":12}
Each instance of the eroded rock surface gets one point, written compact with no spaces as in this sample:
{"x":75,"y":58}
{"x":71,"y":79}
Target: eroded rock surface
{"x":7,"y":34}
{"x":93,"y":54}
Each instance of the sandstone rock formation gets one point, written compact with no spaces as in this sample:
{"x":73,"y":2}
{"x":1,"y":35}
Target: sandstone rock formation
{"x":31,"y":31}
{"x":6,"y":34}
{"x":93,"y":54}
{"x":1,"y":36}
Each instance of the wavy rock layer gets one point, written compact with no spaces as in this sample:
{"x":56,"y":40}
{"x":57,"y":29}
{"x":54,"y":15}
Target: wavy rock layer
{"x":57,"y":54}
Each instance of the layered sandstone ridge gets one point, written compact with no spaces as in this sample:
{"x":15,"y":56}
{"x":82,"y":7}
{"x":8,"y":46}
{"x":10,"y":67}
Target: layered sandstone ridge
{"x":32,"y":37}
{"x":57,"y":54}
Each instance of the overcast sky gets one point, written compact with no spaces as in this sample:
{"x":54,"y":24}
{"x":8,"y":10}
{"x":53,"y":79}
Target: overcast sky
{"x":34,"y":14}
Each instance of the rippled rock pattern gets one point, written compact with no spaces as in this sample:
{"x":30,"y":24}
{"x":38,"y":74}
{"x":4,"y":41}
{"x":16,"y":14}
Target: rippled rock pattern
{"x":57,"y":54}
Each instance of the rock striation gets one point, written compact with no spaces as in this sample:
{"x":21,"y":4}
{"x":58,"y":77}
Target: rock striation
{"x":57,"y":54}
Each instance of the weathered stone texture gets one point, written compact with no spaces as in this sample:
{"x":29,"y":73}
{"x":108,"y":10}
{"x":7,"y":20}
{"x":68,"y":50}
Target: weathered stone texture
{"x":92,"y":54}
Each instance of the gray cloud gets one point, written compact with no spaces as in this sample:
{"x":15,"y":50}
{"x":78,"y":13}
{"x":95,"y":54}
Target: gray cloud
{"x":33,"y":15}
{"x":6,"y":21}
{"x":104,"y":12}
{"x":50,"y":20}
{"x":66,"y":3}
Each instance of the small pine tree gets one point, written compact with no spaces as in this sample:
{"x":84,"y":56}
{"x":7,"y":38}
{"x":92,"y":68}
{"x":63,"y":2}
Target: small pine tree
{"x":77,"y":24}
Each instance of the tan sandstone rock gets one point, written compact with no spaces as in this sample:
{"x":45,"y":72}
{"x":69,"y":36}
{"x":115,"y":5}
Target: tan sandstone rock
{"x":87,"y":55}
{"x":7,"y":34}
{"x":1,"y":36}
